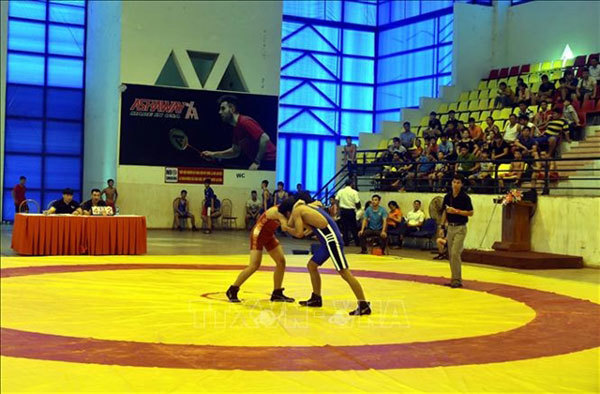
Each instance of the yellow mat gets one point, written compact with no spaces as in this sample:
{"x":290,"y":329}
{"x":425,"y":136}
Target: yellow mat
{"x":159,"y":303}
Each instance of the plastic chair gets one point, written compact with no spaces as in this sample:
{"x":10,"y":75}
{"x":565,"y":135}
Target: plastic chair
{"x":475,"y":115}
{"x":464,"y":96}
{"x":514,"y":70}
{"x":483,"y":104}
{"x":453,"y":107}
{"x":512,"y":80}
{"x":579,"y":61}
{"x":588,"y":105}
{"x":443,"y":119}
{"x":533,"y":78}
{"x":482,"y":85}
{"x":569,"y":62}
{"x":484,"y":94}
{"x":226,"y":218}
{"x":493,"y":84}
{"x":493,"y":74}
{"x":473,"y":105}
{"x":427,"y":232}
{"x":557,"y":64}
{"x":464,"y":116}
{"x":474,"y":95}
{"x":496,"y":114}
{"x":50,"y":204}
{"x":505,"y":113}
{"x":24,"y":206}
{"x":424,"y":121}
{"x":443,"y":108}
{"x":483,"y":115}
{"x":598,"y":106}
{"x":500,"y":124}
{"x":546,"y":66}
{"x":525,"y":68}
{"x":503,"y":73}
{"x":593,"y":56}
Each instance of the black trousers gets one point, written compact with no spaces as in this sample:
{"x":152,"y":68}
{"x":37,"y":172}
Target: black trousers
{"x":372,"y":233}
{"x":348,"y":222}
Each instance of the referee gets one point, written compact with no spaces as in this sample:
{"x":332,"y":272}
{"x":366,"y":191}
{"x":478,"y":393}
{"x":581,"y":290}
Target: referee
{"x":457,"y":208}
{"x":349,"y":201}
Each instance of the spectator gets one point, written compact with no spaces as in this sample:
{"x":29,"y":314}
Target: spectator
{"x":524,"y":122}
{"x":210,"y":213}
{"x":334,"y":210}
{"x":418,"y":147}
{"x":523,"y":110}
{"x":64,"y":206}
{"x":397,"y":147}
{"x":393,"y":172}
{"x":407,"y":137}
{"x":515,"y":171}
{"x":111,"y":194}
{"x":524,"y":94}
{"x":542,"y":117}
{"x":299,"y":188}
{"x":466,"y":162}
{"x":425,"y":166}
{"x":374,"y":224}
{"x":468,"y":142}
{"x":500,"y":150}
{"x":445,"y":147}
{"x":491,"y":129}
{"x":572,"y":118}
{"x":460,"y":129}
{"x":413,"y":220}
{"x":594,"y":69}
{"x":586,"y":88}
{"x":512,"y":129}
{"x":435,"y":177}
{"x":568,"y":85}
{"x":450,"y":130}
{"x":181,"y":210}
{"x":546,"y":91}
{"x":209,"y":205}
{"x":394,"y":220}
{"x":431,"y":147}
{"x":349,"y":156}
{"x":475,"y":131}
{"x":505,"y":97}
{"x":556,"y":126}
{"x":434,"y":127}
{"x":526,"y":143}
{"x":95,"y":201}
{"x":349,"y":203}
{"x":252,"y":210}
{"x":451,"y":120}
{"x":541,"y":167}
{"x":483,"y":177}
{"x":266,"y":196}
{"x":18,"y":195}
{"x":280,"y":194}
{"x":442,"y":244}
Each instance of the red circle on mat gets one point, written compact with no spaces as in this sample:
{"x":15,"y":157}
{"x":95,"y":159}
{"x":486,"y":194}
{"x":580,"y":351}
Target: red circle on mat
{"x":562,"y":325}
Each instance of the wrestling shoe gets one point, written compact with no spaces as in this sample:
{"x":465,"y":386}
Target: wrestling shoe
{"x":364,"y":308}
{"x":278,"y":296}
{"x":314,"y":301}
{"x":232,"y":294}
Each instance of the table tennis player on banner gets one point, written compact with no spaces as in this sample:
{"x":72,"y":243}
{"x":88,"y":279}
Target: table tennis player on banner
{"x":248,"y":137}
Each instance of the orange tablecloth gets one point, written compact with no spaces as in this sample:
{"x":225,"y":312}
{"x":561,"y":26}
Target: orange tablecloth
{"x":67,"y":234}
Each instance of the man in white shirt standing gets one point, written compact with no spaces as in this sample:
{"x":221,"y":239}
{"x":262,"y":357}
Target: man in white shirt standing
{"x":414,"y":219}
{"x":348,"y":202}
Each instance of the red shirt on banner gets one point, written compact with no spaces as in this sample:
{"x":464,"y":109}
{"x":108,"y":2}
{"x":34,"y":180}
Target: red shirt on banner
{"x":19,"y":193}
{"x":246,"y":134}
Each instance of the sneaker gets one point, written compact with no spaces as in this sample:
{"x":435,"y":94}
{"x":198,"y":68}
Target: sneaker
{"x":454,"y":285}
{"x":314,"y":301}
{"x":195,"y":228}
{"x":232,"y":293}
{"x":364,"y":308}
{"x":278,"y":296}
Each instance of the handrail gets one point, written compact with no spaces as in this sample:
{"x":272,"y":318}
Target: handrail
{"x":325,"y":186}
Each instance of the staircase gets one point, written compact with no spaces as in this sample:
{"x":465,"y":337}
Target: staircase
{"x":590,"y":147}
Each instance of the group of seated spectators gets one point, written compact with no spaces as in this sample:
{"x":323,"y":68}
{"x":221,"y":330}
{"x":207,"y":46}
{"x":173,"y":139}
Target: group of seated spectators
{"x":66,"y":205}
{"x":211,"y":210}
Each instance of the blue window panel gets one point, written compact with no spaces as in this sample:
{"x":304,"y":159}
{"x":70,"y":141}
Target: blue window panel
{"x":61,"y":172}
{"x":314,"y":9}
{"x":63,"y":137}
{"x":446,"y":28}
{"x":288,"y":56}
{"x":65,"y":14}
{"x":443,"y":81}
{"x":286,"y":84}
{"x":383,"y":13}
{"x":64,"y":104}
{"x":357,"y":97}
{"x":445,"y":59}
{"x":66,"y":73}
{"x":65,"y":40}
{"x":24,"y":101}
{"x":29,"y":166}
{"x":360,"y":13}
{"x":358,"y":70}
{"x":332,"y":35}
{"x":281,"y":159}
{"x":26,"y":36}
{"x":404,"y":38}
{"x":27,"y":9}
{"x":380,"y":117}
{"x":308,"y":39}
{"x":359,"y":43}
{"x":306,"y":95}
{"x":330,"y":90}
{"x":305,"y":123}
{"x":286,"y":112}
{"x":435,"y":5}
{"x":328,"y":117}
{"x":354,"y":123}
{"x":27,"y":69}
{"x":412,"y":8}
{"x":307,"y":67}
{"x":288,"y":28}
{"x":312,"y":165}
{"x":75,"y":3}
{"x":415,"y":64}
{"x":8,"y":208}
{"x":23,"y":136}
{"x":328,"y":161}
{"x":331,"y":63}
{"x":296,"y":161}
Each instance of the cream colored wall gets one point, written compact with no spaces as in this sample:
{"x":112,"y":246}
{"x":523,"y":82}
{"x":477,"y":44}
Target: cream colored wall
{"x":562,"y":225}
{"x":150,"y":30}
{"x":142,"y":191}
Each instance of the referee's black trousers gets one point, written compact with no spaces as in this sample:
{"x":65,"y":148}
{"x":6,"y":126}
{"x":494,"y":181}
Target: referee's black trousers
{"x":348,"y":221}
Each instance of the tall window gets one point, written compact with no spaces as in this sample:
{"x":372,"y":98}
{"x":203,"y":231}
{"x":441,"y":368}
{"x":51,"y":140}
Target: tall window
{"x":44,"y":99}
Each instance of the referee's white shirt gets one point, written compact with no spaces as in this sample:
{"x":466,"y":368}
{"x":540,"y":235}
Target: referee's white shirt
{"x":348,"y":198}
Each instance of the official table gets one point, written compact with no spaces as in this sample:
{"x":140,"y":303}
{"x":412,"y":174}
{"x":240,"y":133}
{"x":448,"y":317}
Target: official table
{"x":36,"y":234}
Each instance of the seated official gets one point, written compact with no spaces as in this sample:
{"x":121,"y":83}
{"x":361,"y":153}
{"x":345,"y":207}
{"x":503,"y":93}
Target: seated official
{"x":181,"y":210}
{"x":252,"y":209}
{"x":414,"y":219}
{"x":95,"y":201}
{"x":65,"y":206}
{"x":394,"y":220}
{"x":374,"y":224}
{"x":210,"y":211}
